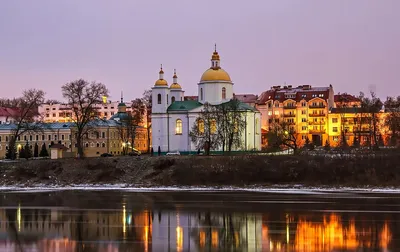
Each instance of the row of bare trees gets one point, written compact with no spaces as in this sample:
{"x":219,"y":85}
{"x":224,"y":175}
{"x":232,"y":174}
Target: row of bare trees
{"x":82,"y":99}
{"x":219,"y":127}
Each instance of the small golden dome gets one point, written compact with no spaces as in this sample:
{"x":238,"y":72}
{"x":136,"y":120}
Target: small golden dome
{"x":175,"y":86}
{"x":213,"y":74}
{"x":161,"y":82}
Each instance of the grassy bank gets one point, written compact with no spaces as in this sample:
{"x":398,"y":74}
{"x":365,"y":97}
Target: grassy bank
{"x":379,"y":169}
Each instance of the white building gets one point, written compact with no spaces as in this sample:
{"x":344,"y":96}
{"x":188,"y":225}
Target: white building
{"x":61,"y":113}
{"x":172,"y":117}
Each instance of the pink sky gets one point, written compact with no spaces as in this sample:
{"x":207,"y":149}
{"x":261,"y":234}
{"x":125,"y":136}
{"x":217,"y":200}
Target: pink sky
{"x":352,"y":44}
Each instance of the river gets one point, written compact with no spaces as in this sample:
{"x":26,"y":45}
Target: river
{"x":121,"y":220}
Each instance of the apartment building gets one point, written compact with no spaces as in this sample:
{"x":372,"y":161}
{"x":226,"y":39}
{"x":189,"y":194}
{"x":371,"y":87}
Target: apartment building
{"x":59,"y":112}
{"x":303,"y":108}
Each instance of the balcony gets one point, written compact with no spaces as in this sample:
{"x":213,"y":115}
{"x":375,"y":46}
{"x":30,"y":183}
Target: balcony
{"x":289,"y":115}
{"x":316,"y":106}
{"x":317,"y":115}
{"x":316,"y":123}
{"x":317,"y":131}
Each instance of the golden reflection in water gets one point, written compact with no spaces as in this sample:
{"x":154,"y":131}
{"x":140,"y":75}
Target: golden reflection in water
{"x":179,"y":238}
{"x":202,"y":238}
{"x":385,"y":236}
{"x":331,"y":234}
{"x":214,"y":238}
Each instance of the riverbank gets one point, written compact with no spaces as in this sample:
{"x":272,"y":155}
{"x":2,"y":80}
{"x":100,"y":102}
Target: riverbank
{"x":251,"y":171}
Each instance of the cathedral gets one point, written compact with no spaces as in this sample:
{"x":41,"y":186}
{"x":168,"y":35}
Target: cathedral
{"x":173,"y":117}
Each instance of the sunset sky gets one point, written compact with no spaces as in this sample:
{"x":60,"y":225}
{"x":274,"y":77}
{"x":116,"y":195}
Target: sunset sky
{"x":352,"y":44}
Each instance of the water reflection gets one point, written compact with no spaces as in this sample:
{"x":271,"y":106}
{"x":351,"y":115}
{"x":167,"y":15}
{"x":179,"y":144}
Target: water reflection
{"x":125,"y":229}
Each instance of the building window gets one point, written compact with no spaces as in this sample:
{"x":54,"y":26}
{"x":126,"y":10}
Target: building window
{"x":335,"y":138}
{"x":49,"y":137}
{"x":257,"y":127}
{"x":276,"y":112}
{"x":213,"y":127}
{"x":159,"y":98}
{"x":303,"y":119}
{"x":178,"y":128}
{"x":97,"y":145}
{"x":37,"y":137}
{"x":172,"y":99}
{"x":269,"y":113}
{"x":201,"y":94}
{"x":103,"y":145}
{"x":334,"y":120}
{"x":304,"y":128}
{"x":43,"y":137}
{"x":303,"y":104}
{"x":201,"y":126}
{"x":62,"y":137}
{"x":335,"y":129}
{"x":167,"y":99}
{"x":87,"y":145}
{"x":103,"y":135}
{"x":30,"y":137}
{"x":223,"y":93}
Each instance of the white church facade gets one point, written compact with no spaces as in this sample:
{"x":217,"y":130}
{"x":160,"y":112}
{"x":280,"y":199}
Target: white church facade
{"x":173,"y":117}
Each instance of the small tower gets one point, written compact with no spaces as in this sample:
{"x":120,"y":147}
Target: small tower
{"x":122,"y":105}
{"x":160,"y":94}
{"x":177,"y":94}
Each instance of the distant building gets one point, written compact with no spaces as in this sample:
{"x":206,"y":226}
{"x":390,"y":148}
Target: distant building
{"x":7,"y":115}
{"x":60,"y":112}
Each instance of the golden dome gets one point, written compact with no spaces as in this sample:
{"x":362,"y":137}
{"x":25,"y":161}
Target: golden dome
{"x":175,"y":86}
{"x":215,"y":56}
{"x":213,"y":74}
{"x":161,"y":82}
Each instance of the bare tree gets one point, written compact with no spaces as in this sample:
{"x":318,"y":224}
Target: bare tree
{"x":343,"y":105}
{"x":372,"y":105}
{"x":130,"y":122}
{"x":230,"y":124}
{"x":283,"y":134}
{"x":25,"y":117}
{"x":147,"y":101}
{"x":82,"y":98}
{"x":204,"y":131}
{"x":392,"y":106}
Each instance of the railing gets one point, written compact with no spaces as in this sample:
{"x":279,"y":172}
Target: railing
{"x":289,"y":115}
{"x":317,"y":115}
{"x":316,"y":123}
{"x":317,"y":106}
{"x":317,"y":131}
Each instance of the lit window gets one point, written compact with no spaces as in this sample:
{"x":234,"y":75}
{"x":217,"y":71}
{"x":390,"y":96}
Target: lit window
{"x":276,"y":112}
{"x":335,"y":129}
{"x":178,"y":129}
{"x":269,"y":113}
{"x":213,"y":127}
{"x":223,"y":93}
{"x":334,"y":120}
{"x":201,"y":126}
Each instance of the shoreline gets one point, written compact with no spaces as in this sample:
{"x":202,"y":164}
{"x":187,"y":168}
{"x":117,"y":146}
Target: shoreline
{"x":289,"y":189}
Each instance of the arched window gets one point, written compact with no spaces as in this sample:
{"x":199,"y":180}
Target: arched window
{"x":167,"y":99}
{"x":223,"y":93}
{"x":172,"y":99}
{"x":178,"y":128}
{"x":200,"y":125}
{"x":103,"y":145}
{"x":201,"y":94}
{"x":213,"y":127}
{"x":159,"y":98}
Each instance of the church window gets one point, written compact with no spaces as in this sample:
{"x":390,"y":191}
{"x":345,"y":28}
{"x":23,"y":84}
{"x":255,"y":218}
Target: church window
{"x":223,"y":93}
{"x":172,"y":99}
{"x":178,"y":128}
{"x":213,"y":126}
{"x":159,"y":98}
{"x":201,"y":126}
{"x":167,"y":99}
{"x":201,"y":94}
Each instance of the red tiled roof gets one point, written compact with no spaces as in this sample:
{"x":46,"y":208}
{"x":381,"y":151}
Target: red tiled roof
{"x":246,"y":98}
{"x":8,"y":111}
{"x":305,"y":92}
{"x":345,"y":98}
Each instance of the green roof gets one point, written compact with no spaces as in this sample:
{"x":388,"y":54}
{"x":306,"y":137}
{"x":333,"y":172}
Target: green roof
{"x":184,"y":105}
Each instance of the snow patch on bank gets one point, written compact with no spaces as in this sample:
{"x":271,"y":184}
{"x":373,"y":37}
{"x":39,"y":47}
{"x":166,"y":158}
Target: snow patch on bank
{"x":289,"y":189}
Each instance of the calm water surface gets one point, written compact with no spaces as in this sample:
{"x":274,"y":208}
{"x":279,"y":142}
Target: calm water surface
{"x":112,"y":221}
